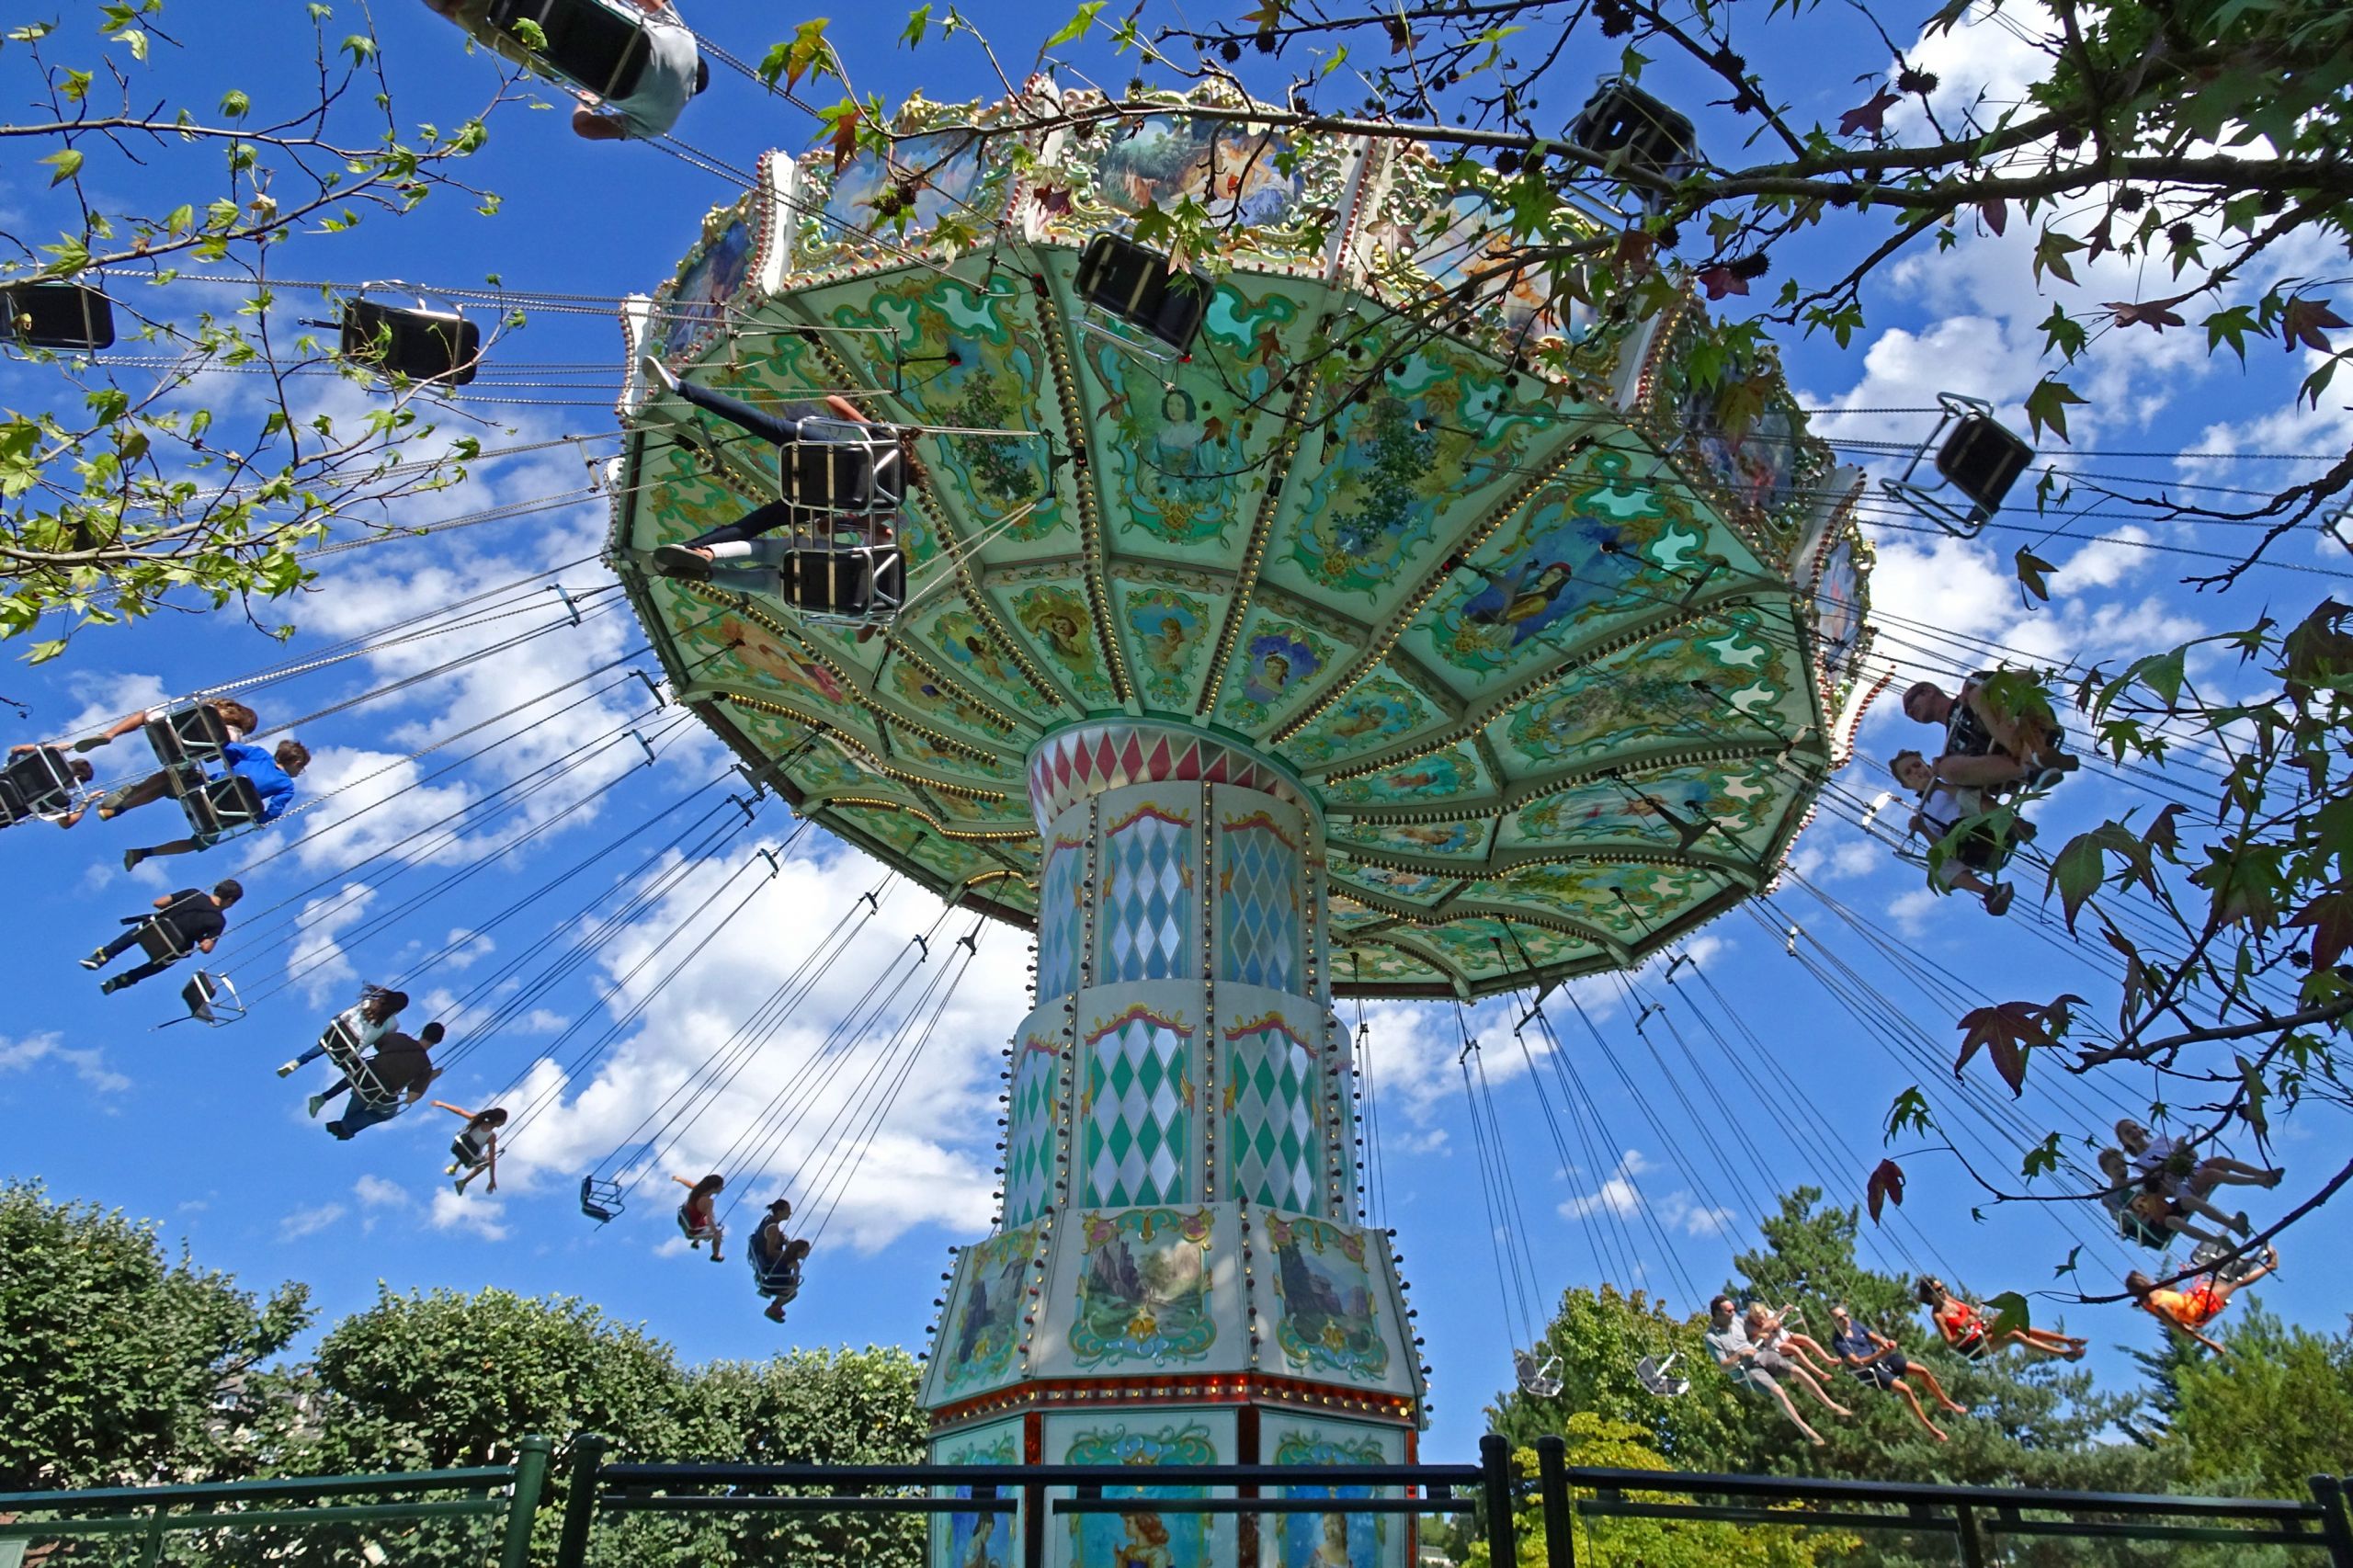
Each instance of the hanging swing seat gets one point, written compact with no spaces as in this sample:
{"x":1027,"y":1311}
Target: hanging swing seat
{"x":600,"y":1200}
{"x":859,"y":585}
{"x":2221,"y":1260}
{"x":1537,"y":1380}
{"x":216,"y":808}
{"x":39,"y":782}
{"x":188,"y":737}
{"x":343,"y":1049}
{"x":161,"y":940}
{"x":597,"y":47}
{"x":58,"y":315}
{"x":1626,"y":125}
{"x":213,"y":999}
{"x":1977,"y":462}
{"x":776,"y":1280}
{"x":1134,"y":285}
{"x":1657,"y":1377}
{"x":416,"y":343}
{"x":841,"y":468}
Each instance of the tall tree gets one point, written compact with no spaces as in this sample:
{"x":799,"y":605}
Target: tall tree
{"x":2275,"y":1412}
{"x":119,"y":1365}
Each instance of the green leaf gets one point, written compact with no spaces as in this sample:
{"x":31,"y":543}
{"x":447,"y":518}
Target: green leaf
{"x":67,"y":161}
{"x":919,"y":22}
{"x":2046,"y":406}
{"x":1076,"y":26}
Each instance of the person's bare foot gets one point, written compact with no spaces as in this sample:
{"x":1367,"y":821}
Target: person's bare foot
{"x":1938,"y":1435}
{"x":1956,"y":1409}
{"x":1841,"y":1409}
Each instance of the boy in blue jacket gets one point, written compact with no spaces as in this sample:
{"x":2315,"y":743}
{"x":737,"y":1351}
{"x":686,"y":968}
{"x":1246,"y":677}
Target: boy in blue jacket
{"x":272,"y":775}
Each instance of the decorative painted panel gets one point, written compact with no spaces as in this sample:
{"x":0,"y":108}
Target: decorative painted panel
{"x":1145,"y":1539}
{"x":1331,"y":1314}
{"x":1031,"y":1130}
{"x":1335,"y":1539}
{"x":1143,"y":1289}
{"x":1271,"y":1088}
{"x":975,"y":1540}
{"x":1136,"y":1108}
{"x":977,"y":1343}
{"x":1260,"y":912}
{"x":1147,"y":927}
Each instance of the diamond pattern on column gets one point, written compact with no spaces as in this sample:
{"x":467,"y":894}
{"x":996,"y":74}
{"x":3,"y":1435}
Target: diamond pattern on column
{"x":1147,"y":899}
{"x":1061,"y":917}
{"x":1139,"y":1119}
{"x":1271,"y":1125}
{"x":1030,"y":1146}
{"x":1259,"y":915}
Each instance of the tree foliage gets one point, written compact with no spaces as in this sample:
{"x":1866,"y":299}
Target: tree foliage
{"x":119,"y":1365}
{"x":2263,"y":1421}
{"x":193,"y":463}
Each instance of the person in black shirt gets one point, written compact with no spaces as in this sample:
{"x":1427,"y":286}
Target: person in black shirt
{"x":399,"y":1072}
{"x":1986,"y":746}
{"x":197,"y":917}
{"x":1872,"y":1358}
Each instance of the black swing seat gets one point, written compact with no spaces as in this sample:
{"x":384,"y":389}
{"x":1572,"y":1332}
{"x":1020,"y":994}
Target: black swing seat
{"x":1132,"y":283}
{"x":596,"y":47}
{"x":842,"y":468}
{"x":343,"y":1050}
{"x":855,"y":582}
{"x":420,"y":345}
{"x":211,"y":999}
{"x":58,"y":315}
{"x":161,"y":942}
{"x":37,"y":782}
{"x":773,"y":1278}
{"x":188,"y":737}
{"x":1625,"y":124}
{"x":600,"y":1200}
{"x":1977,"y":461}
{"x":219,"y":806}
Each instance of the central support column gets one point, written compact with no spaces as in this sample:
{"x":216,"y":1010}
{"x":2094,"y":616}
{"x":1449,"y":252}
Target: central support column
{"x":1178,"y":1274}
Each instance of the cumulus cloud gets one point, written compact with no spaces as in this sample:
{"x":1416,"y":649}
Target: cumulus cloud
{"x":472,"y":1213}
{"x":1617,"y":1193}
{"x":317,"y":959}
{"x":310,"y":1221}
{"x":88,"y":1065}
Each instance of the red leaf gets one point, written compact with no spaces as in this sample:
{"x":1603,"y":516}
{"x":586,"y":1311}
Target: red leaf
{"x":2006,"y":1032}
{"x":2153,"y":315}
{"x":2329,"y":917}
{"x":1720,"y":280}
{"x":1996,"y":215}
{"x":1886,"y":1185}
{"x":2302,"y":321}
{"x":1052,"y":202}
{"x":844,"y":137}
{"x":1871,"y":115}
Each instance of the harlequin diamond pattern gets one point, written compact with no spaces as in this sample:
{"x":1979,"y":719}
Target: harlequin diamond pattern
{"x":1082,"y":762}
{"x":1029,"y":1148}
{"x":1146,"y":916}
{"x":1257,"y":911}
{"x":1139,"y":1129}
{"x":1059,"y":922}
{"x":1272,"y":1130}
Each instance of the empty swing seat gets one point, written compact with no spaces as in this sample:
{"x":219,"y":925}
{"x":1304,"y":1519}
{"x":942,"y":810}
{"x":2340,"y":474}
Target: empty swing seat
{"x":1625,"y":124}
{"x":1133,"y":283}
{"x":39,"y":782}
{"x":421,"y":344}
{"x":211,"y":999}
{"x":182,"y":737}
{"x":600,"y":1200}
{"x":1538,"y":1380}
{"x":592,"y":45}
{"x":58,"y":315}
{"x":1656,"y":1377}
{"x":221,"y":806}
{"x":839,"y":468}
{"x":1982,"y":460}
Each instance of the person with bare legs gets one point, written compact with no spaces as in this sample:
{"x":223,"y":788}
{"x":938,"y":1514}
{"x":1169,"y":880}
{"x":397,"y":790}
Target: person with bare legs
{"x":1964,"y":1323}
{"x":1760,"y":1370}
{"x":699,"y":1215}
{"x":1872,"y":1358}
{"x":2191,"y":1310}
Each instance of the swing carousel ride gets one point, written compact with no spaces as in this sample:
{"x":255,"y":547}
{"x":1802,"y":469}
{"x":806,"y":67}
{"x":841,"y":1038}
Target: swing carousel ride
{"x":1332,"y":615}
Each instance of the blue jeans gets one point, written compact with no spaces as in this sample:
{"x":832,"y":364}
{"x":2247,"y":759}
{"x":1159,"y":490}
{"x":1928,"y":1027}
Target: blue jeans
{"x":358,"y":1117}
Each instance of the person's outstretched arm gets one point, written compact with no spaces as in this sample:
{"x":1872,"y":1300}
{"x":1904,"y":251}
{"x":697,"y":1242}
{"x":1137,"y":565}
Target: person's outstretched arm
{"x":453,"y":1110}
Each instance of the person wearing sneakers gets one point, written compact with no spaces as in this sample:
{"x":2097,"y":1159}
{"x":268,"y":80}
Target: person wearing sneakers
{"x":399,"y":1071}
{"x":366,"y":1021}
{"x":475,"y":1149}
{"x":1942,"y":808}
{"x":699,"y":1215}
{"x":731,"y":547}
{"x":197,"y":917}
{"x":271,"y":773}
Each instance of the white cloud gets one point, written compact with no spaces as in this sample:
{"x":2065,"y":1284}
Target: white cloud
{"x":1617,"y":1193}
{"x":317,"y":962}
{"x":89,"y":1065}
{"x":474,"y":1213}
{"x":375,"y":1192}
{"x":309,"y":1222}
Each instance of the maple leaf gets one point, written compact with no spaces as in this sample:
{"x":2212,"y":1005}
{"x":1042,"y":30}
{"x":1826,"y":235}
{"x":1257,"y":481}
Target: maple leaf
{"x":2033,"y":573}
{"x":2152,"y":315}
{"x":2302,"y":321}
{"x":841,"y":126}
{"x":1720,"y":280}
{"x":1996,"y":215}
{"x":2329,"y":917}
{"x":1886,"y":1185}
{"x":1871,"y":116}
{"x":2006,"y":1032}
{"x":2004,"y":1312}
{"x":2046,"y":406}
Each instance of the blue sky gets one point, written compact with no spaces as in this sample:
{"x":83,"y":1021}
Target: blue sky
{"x":1680,"y":1135}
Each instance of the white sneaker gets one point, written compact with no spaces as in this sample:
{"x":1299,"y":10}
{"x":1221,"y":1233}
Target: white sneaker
{"x":317,"y":1103}
{"x":288,"y":1069}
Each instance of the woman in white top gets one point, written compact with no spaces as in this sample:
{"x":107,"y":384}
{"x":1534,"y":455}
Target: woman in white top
{"x":363,"y":1023}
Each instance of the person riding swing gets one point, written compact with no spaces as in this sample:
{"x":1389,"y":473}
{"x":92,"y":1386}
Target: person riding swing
{"x":775,"y":1262}
{"x":699,"y":1215}
{"x":474,"y":1150}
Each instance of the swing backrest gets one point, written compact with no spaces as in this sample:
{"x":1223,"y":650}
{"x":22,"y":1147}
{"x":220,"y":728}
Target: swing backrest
{"x":161,"y":941}
{"x":841,"y":467}
{"x":424,"y":345}
{"x":204,"y":994}
{"x":1654,"y":1375}
{"x":1132,"y":283}
{"x":57,"y":315}
{"x":223,"y":805}
{"x":40,"y":780}
{"x":600,"y":1200}
{"x":855,"y":582}
{"x":342,"y":1047}
{"x":186,"y":736}
{"x":591,"y":45}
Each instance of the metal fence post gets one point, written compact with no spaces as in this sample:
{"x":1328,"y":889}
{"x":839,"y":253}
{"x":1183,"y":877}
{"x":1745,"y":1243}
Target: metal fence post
{"x":2328,"y":1490}
{"x":1552,"y":1485}
{"x":1973,"y":1544}
{"x":523,"y":1508}
{"x":1496,"y":1480}
{"x":580,"y":1503}
{"x":1034,"y":1524}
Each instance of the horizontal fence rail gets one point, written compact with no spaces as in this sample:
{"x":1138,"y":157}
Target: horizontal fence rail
{"x":1980,"y":1527}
